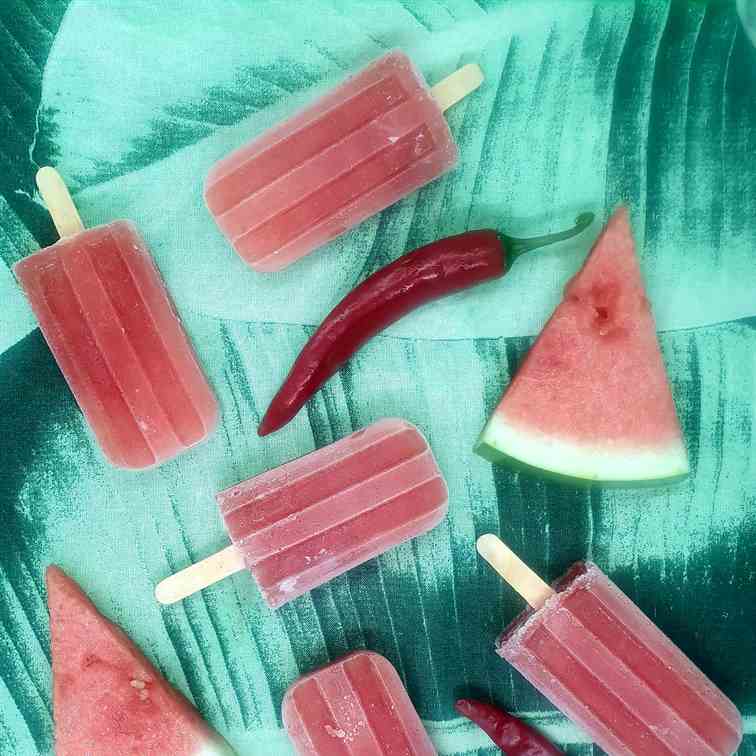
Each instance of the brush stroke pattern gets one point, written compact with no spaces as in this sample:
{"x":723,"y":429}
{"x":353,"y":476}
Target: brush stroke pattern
{"x":586,"y":104}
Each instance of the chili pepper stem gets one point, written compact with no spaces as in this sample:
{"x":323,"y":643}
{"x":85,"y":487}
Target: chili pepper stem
{"x":517,"y":246}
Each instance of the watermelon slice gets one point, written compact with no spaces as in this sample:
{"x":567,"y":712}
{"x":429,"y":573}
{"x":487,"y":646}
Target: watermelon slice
{"x":591,"y":399}
{"x":107,"y":698}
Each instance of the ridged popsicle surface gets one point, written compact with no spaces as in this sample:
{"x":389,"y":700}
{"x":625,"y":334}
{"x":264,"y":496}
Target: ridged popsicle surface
{"x":315,"y":517}
{"x":358,"y":149}
{"x":598,"y":658}
{"x":106,"y":315}
{"x":355,"y":706}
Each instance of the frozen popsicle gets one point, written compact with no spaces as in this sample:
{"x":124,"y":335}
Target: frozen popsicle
{"x":358,"y":149}
{"x":110,"y":324}
{"x":354,"y":706}
{"x":299,"y":525}
{"x":599,"y":659}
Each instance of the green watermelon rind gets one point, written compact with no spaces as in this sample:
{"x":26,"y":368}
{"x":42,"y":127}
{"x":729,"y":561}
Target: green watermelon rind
{"x":525,"y":449}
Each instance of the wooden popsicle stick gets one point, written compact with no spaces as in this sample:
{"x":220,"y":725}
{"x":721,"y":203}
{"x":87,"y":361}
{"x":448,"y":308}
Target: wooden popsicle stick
{"x":199,"y":575}
{"x":59,"y":203}
{"x":454,"y":87}
{"x":529,"y":585}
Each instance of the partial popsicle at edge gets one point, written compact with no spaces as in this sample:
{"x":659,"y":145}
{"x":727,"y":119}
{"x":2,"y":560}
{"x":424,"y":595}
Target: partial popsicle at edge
{"x":598,"y":658}
{"x":357,"y":705}
{"x":107,"y":317}
{"x":358,"y":149}
{"x":299,"y":525}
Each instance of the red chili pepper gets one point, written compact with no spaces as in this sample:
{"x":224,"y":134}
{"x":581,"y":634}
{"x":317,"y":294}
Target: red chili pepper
{"x":430,"y":272}
{"x":510,"y":734}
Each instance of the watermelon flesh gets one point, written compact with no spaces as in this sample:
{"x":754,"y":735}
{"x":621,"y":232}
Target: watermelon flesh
{"x":592,"y":400}
{"x":108,"y":699}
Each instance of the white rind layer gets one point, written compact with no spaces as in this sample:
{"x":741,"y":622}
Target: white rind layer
{"x":609,"y":460}
{"x":215,"y":747}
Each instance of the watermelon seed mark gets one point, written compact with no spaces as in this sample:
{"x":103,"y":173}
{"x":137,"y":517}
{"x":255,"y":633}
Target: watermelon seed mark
{"x":340,"y":734}
{"x":89,"y":660}
{"x":140,"y":686}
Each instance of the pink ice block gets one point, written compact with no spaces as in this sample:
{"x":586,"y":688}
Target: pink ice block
{"x":354,"y":707}
{"x":318,"y":516}
{"x":600,"y":660}
{"x":106,"y":315}
{"x":366,"y":144}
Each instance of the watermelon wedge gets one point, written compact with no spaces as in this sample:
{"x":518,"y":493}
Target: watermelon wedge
{"x":591,"y":400}
{"x":108,"y":699}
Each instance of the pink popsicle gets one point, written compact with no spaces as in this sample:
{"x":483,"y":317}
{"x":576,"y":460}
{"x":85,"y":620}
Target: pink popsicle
{"x":366,"y":144}
{"x":303,"y":523}
{"x":354,"y":707}
{"x":107,"y":318}
{"x":599,"y":659}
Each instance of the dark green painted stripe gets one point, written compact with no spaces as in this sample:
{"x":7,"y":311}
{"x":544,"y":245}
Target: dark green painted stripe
{"x":499,"y":110}
{"x":26,"y":33}
{"x":197,"y":626}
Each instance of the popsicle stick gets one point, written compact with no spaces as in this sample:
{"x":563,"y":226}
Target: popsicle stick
{"x":454,"y":87}
{"x":199,"y":575}
{"x":514,"y":570}
{"x":59,"y":203}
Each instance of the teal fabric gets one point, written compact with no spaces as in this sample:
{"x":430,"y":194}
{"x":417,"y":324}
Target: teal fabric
{"x":586,"y":104}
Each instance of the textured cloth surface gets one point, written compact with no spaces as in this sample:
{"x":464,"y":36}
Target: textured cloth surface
{"x":585,"y":105}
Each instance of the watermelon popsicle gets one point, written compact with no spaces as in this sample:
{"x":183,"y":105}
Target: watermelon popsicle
{"x":598,"y":658}
{"x":358,"y":149}
{"x":299,"y":525}
{"x":357,"y":705}
{"x":110,"y":325}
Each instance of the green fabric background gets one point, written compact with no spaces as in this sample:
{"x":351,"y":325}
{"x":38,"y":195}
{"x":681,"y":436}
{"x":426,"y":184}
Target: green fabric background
{"x":585,"y":104}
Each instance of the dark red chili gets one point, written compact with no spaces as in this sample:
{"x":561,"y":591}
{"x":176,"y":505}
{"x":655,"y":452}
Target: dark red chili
{"x":436,"y":270}
{"x":510,"y":734}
